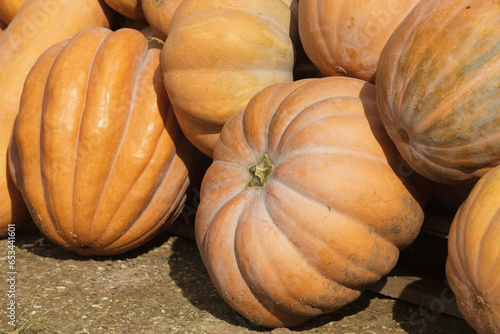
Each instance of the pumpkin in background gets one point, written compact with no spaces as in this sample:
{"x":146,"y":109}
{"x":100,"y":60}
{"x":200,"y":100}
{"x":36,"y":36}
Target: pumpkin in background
{"x":218,"y":54}
{"x":473,"y":263}
{"x":48,"y":23}
{"x":438,"y":83}
{"x":159,"y":13}
{"x":97,"y":152}
{"x":128,"y":8}
{"x":9,"y":9}
{"x":305,"y":203}
{"x":346,"y":37}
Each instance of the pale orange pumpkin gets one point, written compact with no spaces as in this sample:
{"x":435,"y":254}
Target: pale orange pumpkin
{"x":218,"y":54}
{"x":159,"y":13}
{"x":438,"y":87}
{"x":306,"y":203}
{"x":96,"y":151}
{"x":38,"y":25}
{"x":473,"y":263}
{"x":346,"y":37}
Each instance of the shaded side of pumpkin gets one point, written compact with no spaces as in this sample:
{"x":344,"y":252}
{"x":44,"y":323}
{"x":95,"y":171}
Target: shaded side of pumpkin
{"x":473,"y":263}
{"x":97,"y":152}
{"x":9,"y":9}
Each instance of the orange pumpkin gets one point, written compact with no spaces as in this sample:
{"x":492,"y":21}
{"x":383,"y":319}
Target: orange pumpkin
{"x":218,"y":54}
{"x":306,"y":203}
{"x":9,"y":9}
{"x":38,"y":25}
{"x":473,"y":263}
{"x":128,"y":8}
{"x":159,"y":13}
{"x":438,"y":83}
{"x":346,"y":37}
{"x":97,"y":152}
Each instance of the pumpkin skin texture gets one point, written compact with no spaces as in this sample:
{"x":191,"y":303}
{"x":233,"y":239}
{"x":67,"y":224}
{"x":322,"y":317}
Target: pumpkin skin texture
{"x":128,"y":8}
{"x":346,"y":37}
{"x":218,"y":54}
{"x":9,"y":9}
{"x":438,"y":83}
{"x":159,"y":13}
{"x":473,"y":263}
{"x":38,"y":25}
{"x":292,"y":222}
{"x":97,"y":152}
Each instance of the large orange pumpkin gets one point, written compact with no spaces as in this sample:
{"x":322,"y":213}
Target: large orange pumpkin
{"x":306,"y":203}
{"x":38,"y":25}
{"x":346,"y":37}
{"x":9,"y":9}
{"x":438,"y":86}
{"x":97,"y":152}
{"x":473,"y":264}
{"x":218,"y":54}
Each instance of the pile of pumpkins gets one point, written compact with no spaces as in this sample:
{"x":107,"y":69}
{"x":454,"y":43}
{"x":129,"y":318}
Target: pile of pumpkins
{"x":329,"y":125}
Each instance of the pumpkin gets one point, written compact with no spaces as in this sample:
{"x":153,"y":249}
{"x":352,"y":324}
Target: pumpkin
{"x":97,"y":152}
{"x":128,"y":8}
{"x":2,"y":27}
{"x":38,"y":25}
{"x":306,"y":202}
{"x":438,"y":82}
{"x":9,"y":9}
{"x":218,"y":54}
{"x":473,"y":263}
{"x":346,"y":37}
{"x":159,"y":13}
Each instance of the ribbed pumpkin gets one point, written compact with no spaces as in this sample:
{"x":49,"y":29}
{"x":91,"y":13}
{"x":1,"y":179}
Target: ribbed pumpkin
{"x":159,"y":13}
{"x":218,"y":54}
{"x":438,"y":83}
{"x":9,"y":9}
{"x":473,"y":264}
{"x":128,"y":8}
{"x":97,"y":152}
{"x":306,"y":203}
{"x":346,"y":37}
{"x":38,"y":25}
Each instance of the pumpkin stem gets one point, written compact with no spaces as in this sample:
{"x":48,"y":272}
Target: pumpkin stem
{"x":260,"y":172}
{"x":157,"y":3}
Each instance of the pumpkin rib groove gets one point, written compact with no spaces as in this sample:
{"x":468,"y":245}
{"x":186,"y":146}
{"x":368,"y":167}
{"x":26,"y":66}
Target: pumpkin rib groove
{"x":417,"y":60}
{"x":442,"y":109}
{"x":117,"y":151}
{"x":78,"y":137}
{"x":337,"y":251}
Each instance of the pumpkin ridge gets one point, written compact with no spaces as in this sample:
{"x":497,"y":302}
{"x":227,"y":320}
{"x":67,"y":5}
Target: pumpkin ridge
{"x":337,"y":251}
{"x":442,"y":109}
{"x":119,"y":146}
{"x":438,"y":28}
{"x":78,"y":136}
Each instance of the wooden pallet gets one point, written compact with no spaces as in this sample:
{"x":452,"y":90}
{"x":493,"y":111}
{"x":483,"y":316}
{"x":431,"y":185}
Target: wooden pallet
{"x":419,"y":277}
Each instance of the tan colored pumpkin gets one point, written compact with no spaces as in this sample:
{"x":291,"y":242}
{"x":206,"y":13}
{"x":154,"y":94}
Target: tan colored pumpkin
{"x":128,"y":8}
{"x":438,"y":83}
{"x":218,"y":54}
{"x":159,"y":13}
{"x":306,"y":203}
{"x":473,"y":263}
{"x":9,"y":9}
{"x":346,"y":37}
{"x":97,"y":152}
{"x":38,"y":25}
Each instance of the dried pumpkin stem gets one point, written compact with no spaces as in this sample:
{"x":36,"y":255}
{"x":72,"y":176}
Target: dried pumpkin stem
{"x":260,"y":172}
